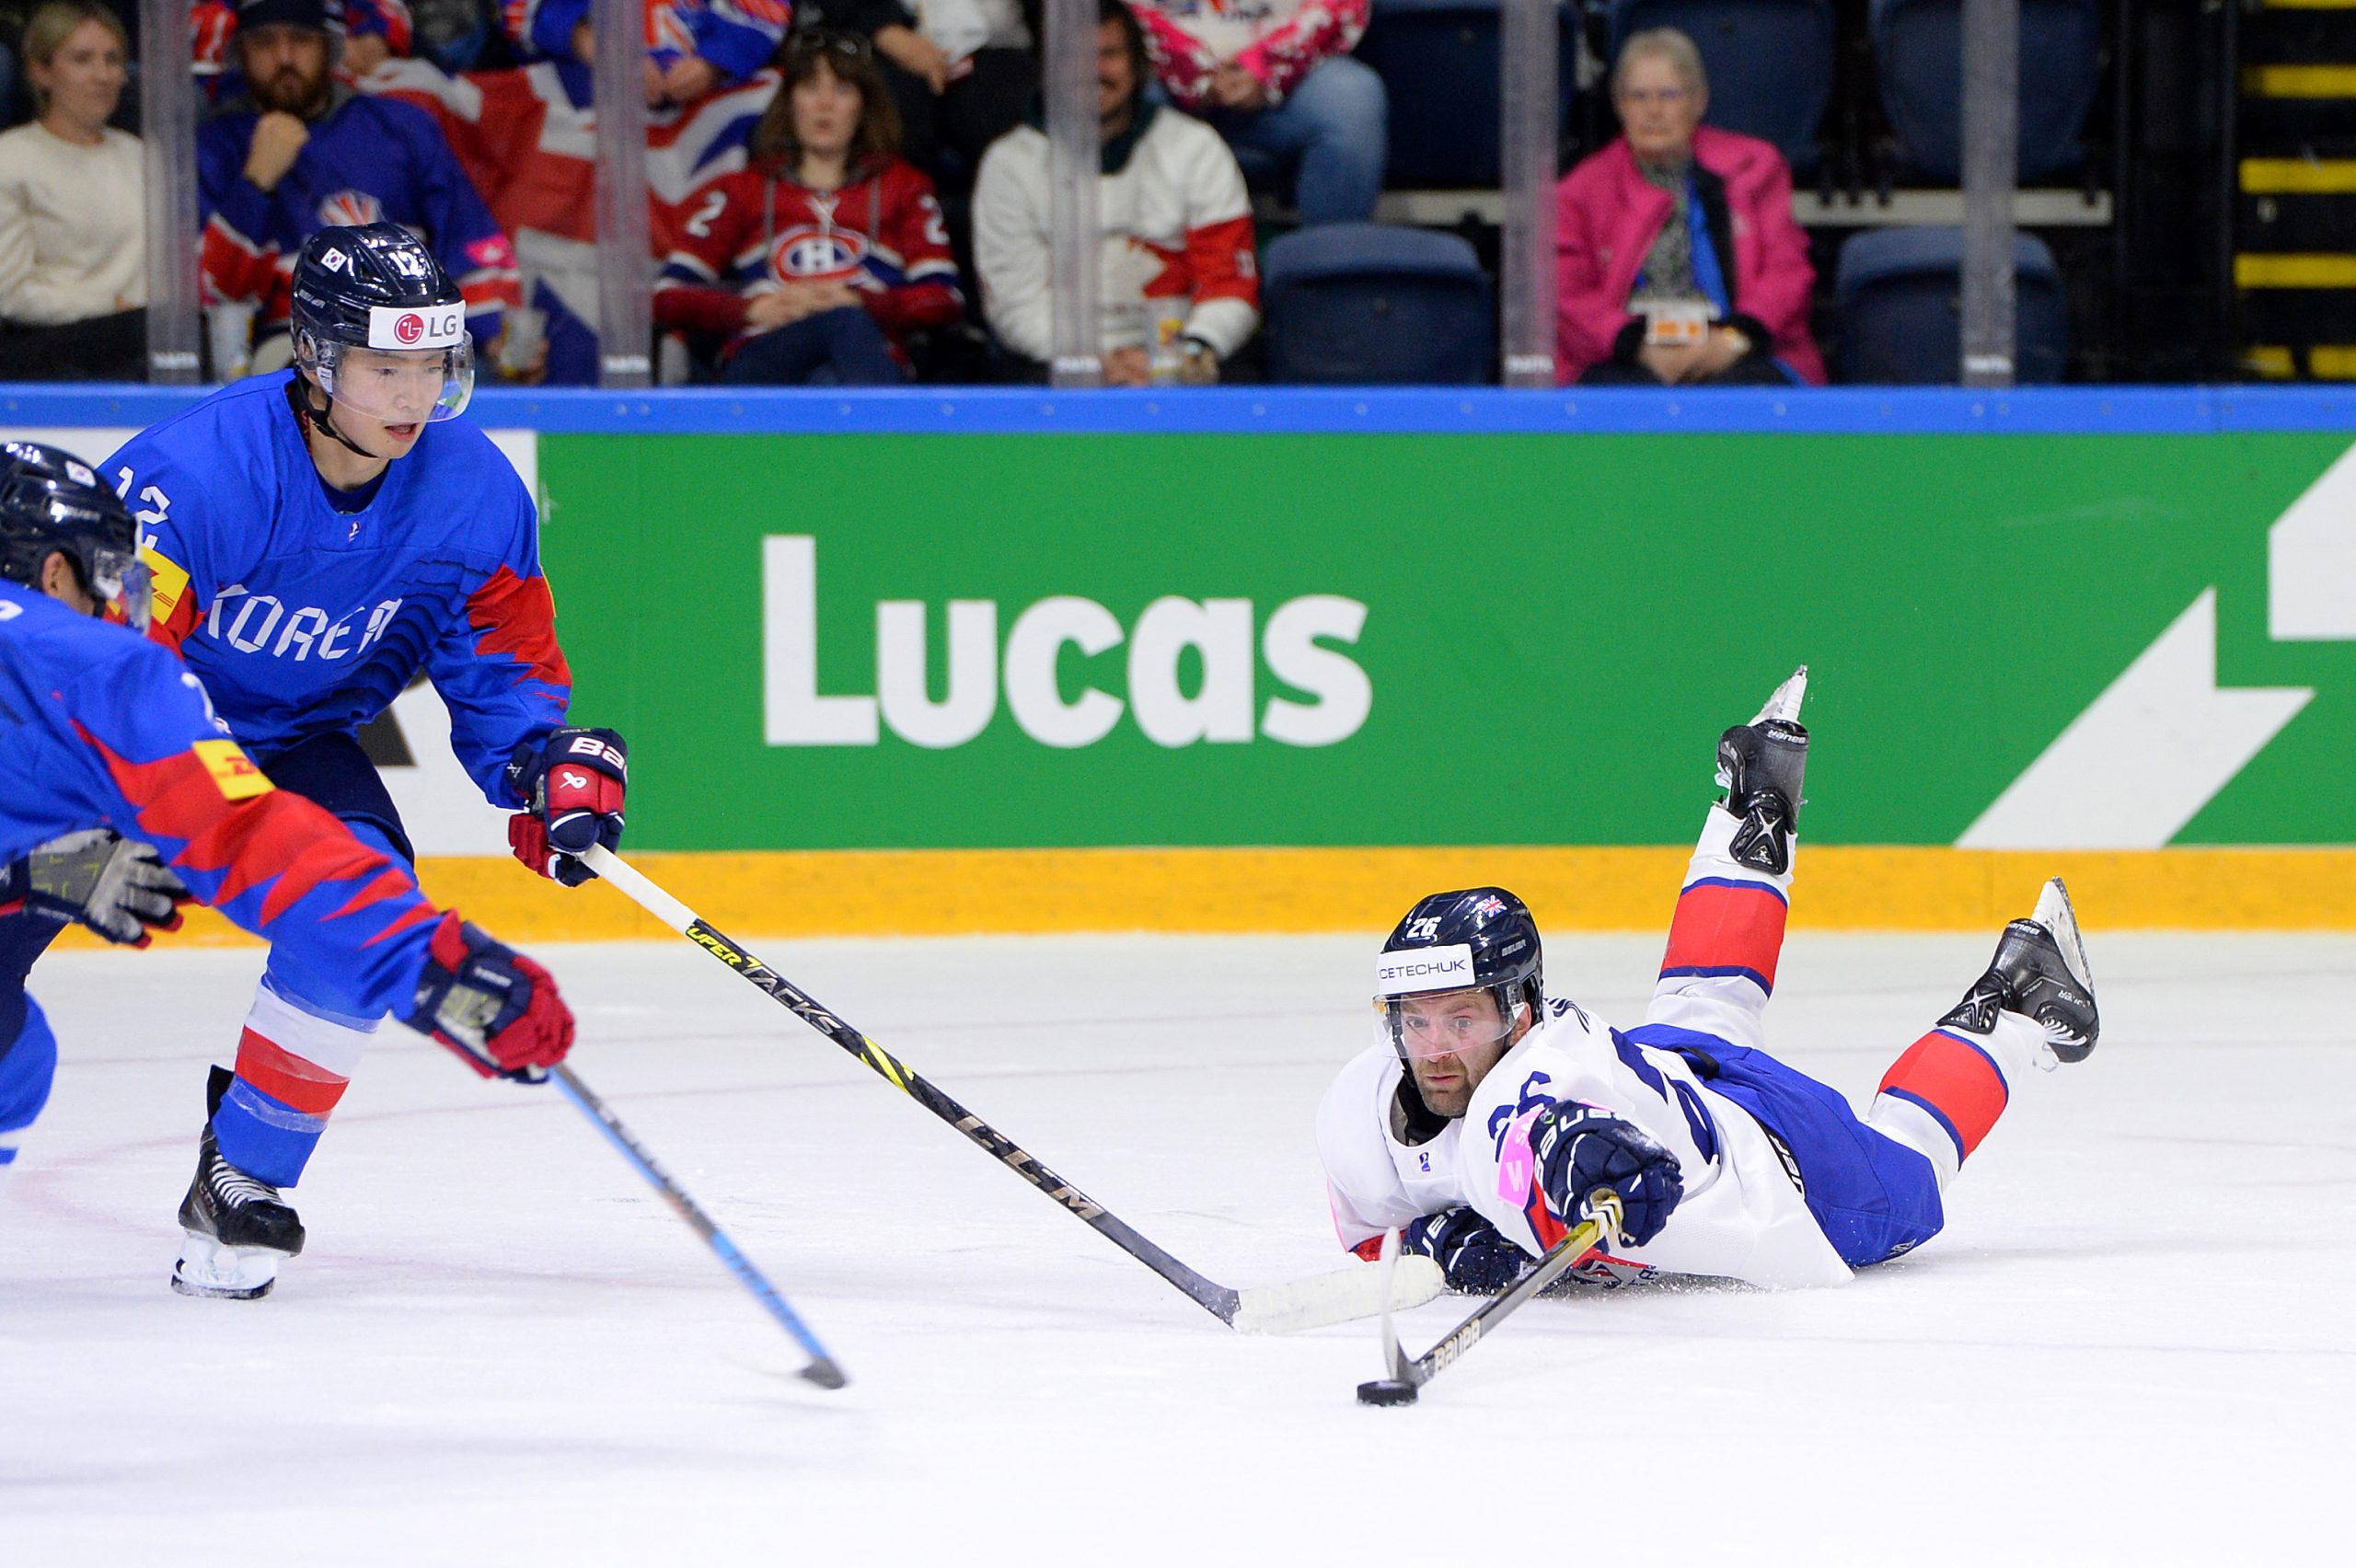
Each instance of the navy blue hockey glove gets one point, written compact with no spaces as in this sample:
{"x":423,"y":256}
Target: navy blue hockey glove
{"x":1471,"y":1256}
{"x":118,"y":887}
{"x":1579,"y":1148}
{"x":497,"y":1010}
{"x":572,"y":785}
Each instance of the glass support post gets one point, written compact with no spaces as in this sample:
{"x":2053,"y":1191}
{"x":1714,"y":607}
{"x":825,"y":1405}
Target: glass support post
{"x":625,"y":263}
{"x":167,"y":138}
{"x":1527,"y":139}
{"x":1075,"y":247}
{"x":1992,"y":48}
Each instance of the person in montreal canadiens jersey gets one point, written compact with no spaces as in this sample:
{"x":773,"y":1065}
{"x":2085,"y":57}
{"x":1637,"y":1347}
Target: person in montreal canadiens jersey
{"x":122,"y":795}
{"x":317,"y":536}
{"x":1489,"y":1115}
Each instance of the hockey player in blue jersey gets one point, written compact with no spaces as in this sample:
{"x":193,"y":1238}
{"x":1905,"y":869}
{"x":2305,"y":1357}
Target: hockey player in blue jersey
{"x":317,"y":537}
{"x":122,"y":795}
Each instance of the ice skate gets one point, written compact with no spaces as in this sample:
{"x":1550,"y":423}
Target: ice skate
{"x":1761,"y":766}
{"x":240,"y":1230}
{"x":2040,"y":971}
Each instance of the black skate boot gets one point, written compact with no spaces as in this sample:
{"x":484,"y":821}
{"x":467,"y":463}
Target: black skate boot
{"x":1759,"y":765}
{"x":238,"y":1227}
{"x":2040,"y":971}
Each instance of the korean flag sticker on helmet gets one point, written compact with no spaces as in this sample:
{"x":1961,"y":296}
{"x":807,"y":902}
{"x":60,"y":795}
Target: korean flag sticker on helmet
{"x":398,"y":327}
{"x":1407,"y":970}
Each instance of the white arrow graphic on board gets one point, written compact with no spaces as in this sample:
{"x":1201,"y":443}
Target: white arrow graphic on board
{"x":2311,"y":561}
{"x":2150,"y":751}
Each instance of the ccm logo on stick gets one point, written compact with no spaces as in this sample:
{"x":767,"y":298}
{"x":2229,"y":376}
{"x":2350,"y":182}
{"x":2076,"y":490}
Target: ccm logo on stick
{"x":1296,"y":644}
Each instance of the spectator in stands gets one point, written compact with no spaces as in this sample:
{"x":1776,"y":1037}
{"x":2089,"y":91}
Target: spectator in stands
{"x":1276,"y":79}
{"x":826,"y":251}
{"x":1180,"y":289}
{"x":302,"y":151}
{"x":962,"y":76}
{"x":1677,"y":257}
{"x":700,"y":46}
{"x":72,"y":219}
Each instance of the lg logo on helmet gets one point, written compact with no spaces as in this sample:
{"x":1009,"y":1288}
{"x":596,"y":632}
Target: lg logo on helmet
{"x":410,"y":328}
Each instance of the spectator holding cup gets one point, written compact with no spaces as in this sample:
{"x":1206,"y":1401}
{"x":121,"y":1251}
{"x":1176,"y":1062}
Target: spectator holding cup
{"x":1678,"y":261}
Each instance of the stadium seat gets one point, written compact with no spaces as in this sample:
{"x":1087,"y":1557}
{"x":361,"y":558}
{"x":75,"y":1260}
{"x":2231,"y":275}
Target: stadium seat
{"x":1437,"y":60}
{"x":1900,"y":294}
{"x":1918,"y":47}
{"x":1769,"y":63}
{"x":1368,"y":304}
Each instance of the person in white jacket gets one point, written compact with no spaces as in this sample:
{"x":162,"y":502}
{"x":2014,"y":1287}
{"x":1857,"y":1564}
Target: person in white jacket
{"x":73,"y":215}
{"x":1180,"y":291}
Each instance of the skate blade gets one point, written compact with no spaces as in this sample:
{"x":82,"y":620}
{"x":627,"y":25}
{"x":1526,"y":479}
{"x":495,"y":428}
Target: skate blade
{"x":2055,"y":913}
{"x":1785,"y":702}
{"x":209,"y":1270}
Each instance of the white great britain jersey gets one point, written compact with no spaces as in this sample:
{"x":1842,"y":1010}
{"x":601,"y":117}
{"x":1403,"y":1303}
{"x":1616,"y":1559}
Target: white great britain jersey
{"x":1742,"y":1216}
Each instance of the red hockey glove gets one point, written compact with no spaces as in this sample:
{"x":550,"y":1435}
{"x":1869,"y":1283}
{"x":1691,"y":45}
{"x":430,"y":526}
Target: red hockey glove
{"x":496,"y":1008}
{"x":572,"y":784}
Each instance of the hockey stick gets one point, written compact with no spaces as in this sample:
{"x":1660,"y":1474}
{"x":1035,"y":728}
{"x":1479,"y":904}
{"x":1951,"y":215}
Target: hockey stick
{"x":1601,"y":1230}
{"x":822,"y":1369}
{"x":1279,"y":1308}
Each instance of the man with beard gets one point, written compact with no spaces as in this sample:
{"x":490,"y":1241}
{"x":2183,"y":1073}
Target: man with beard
{"x":302,"y":151}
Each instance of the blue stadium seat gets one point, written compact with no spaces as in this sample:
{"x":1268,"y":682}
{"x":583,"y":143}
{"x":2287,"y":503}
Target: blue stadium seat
{"x":1769,"y":63}
{"x":1900,"y":294}
{"x":1918,"y":46}
{"x":1370,"y":305}
{"x":1437,"y":60}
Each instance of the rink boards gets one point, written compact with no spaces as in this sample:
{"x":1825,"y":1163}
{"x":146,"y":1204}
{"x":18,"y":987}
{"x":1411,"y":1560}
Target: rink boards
{"x":1009,"y":661}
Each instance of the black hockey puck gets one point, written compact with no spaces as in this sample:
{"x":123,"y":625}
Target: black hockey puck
{"x":1386,"y":1391}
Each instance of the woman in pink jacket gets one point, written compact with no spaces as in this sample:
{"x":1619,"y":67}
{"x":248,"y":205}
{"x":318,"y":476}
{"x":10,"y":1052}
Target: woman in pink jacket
{"x":1678,"y":261}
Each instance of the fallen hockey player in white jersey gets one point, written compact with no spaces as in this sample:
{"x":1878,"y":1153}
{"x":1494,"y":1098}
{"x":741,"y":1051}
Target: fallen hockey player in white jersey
{"x":1490,"y":1112}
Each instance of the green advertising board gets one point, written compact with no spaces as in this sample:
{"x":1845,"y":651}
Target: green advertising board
{"x":1036,"y":640}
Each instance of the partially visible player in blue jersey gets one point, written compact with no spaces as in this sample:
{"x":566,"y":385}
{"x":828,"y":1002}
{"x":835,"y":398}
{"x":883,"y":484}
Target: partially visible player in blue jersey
{"x":317,"y":537}
{"x":122,"y":795}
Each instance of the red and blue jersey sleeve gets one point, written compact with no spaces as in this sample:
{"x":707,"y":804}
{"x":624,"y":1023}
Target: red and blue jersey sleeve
{"x":497,"y":666}
{"x":237,"y":253}
{"x":736,"y":36}
{"x":342,"y":915}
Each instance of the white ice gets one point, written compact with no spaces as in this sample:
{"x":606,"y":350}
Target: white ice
{"x":2133,"y":1344}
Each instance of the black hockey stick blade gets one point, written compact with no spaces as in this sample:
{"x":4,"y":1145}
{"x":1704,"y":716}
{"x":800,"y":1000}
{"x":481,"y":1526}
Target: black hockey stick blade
{"x":1599,"y":1231}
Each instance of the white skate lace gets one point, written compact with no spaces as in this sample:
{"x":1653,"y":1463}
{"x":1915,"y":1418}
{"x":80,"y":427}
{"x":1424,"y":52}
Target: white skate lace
{"x":234,"y":1189}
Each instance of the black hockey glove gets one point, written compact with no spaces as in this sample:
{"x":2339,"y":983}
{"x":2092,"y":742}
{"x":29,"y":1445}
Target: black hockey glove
{"x":1471,"y":1254}
{"x":1580,"y":1149}
{"x":118,"y":887}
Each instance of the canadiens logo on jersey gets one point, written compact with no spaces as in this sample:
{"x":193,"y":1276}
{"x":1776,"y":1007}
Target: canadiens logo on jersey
{"x":807,"y":254}
{"x":349,"y":209}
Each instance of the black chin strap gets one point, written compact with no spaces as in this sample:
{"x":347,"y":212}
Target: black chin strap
{"x":299,"y":391}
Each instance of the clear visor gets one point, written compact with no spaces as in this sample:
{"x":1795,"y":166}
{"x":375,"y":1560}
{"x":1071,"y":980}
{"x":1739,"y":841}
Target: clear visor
{"x":1445,"y":1024}
{"x":395,"y":387}
{"x":122,"y":582}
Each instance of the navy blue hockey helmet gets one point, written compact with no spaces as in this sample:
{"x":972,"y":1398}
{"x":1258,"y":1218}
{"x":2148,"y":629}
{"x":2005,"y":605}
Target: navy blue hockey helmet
{"x":1477,"y":938}
{"x":376,"y":287}
{"x":52,"y":503}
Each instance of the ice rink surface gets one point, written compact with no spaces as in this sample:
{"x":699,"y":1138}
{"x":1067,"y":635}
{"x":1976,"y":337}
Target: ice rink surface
{"x":2134,"y":1343}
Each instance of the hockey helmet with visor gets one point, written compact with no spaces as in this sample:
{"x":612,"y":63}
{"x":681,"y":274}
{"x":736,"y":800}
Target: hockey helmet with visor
{"x":379,"y":326}
{"x":1477,"y":940}
{"x":52,"y":503}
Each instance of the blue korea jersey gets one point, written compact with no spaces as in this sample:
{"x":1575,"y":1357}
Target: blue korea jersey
{"x":303,"y":620}
{"x":100,"y":728}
